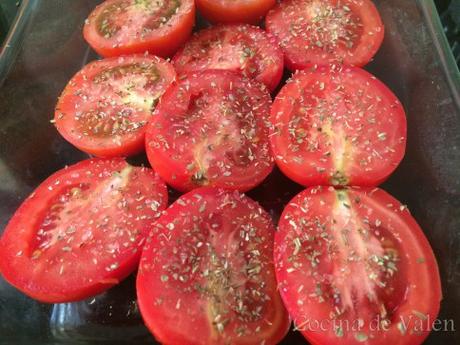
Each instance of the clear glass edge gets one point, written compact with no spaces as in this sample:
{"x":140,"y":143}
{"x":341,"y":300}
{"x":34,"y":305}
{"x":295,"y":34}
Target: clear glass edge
{"x":12,"y":44}
{"x":446,"y":56}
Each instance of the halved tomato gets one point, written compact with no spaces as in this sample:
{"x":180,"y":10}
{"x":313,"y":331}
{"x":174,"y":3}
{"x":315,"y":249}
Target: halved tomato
{"x":105,"y":107}
{"x":211,"y":129}
{"x":234,"y":11}
{"x":353,"y":266}
{"x":337,"y":126}
{"x":206,"y":274}
{"x":241,"y":48}
{"x":82,"y":230}
{"x":326,"y":31}
{"x":119,"y":27}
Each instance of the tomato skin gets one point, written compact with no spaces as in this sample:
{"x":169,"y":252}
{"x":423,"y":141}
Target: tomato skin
{"x":66,"y":271}
{"x":337,"y":126}
{"x":226,"y":47}
{"x":163,"y":42}
{"x":82,"y":90}
{"x":192,"y":146}
{"x":308,"y":47}
{"x":414,"y":293}
{"x":225,"y":11}
{"x":178,"y":276}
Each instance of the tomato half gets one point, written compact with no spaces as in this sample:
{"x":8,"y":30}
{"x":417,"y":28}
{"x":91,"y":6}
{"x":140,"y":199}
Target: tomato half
{"x":240,"y":48}
{"x":326,"y":31}
{"x":120,"y":27}
{"x":353,"y":266}
{"x":82,"y":230}
{"x":234,"y":11}
{"x":207,"y":277}
{"x":104,"y":108}
{"x":211,"y":129}
{"x":337,"y":127}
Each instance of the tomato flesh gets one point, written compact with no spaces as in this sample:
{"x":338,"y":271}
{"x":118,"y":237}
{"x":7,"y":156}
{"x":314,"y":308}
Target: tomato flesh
{"x":82,"y":230}
{"x":354,"y":266}
{"x":206,"y":274}
{"x":241,"y":48}
{"x":119,"y":27}
{"x":105,"y":107}
{"x":337,"y":127}
{"x":320,"y":32}
{"x":235,"y":11}
{"x":210,"y":129}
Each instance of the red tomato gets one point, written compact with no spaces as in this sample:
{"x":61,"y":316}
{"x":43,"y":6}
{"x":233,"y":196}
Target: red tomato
{"x":119,"y":27}
{"x":211,"y":129}
{"x":240,"y":48}
{"x":234,"y":11}
{"x":353,"y":266}
{"x":326,"y":31}
{"x":82,"y":230}
{"x":104,"y":108}
{"x":207,"y":277}
{"x":337,"y":127}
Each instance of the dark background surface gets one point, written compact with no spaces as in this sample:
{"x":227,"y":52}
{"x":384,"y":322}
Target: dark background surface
{"x":52,"y":49}
{"x":449,"y":11}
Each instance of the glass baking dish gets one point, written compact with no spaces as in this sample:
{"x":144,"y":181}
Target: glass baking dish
{"x":45,"y":48}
